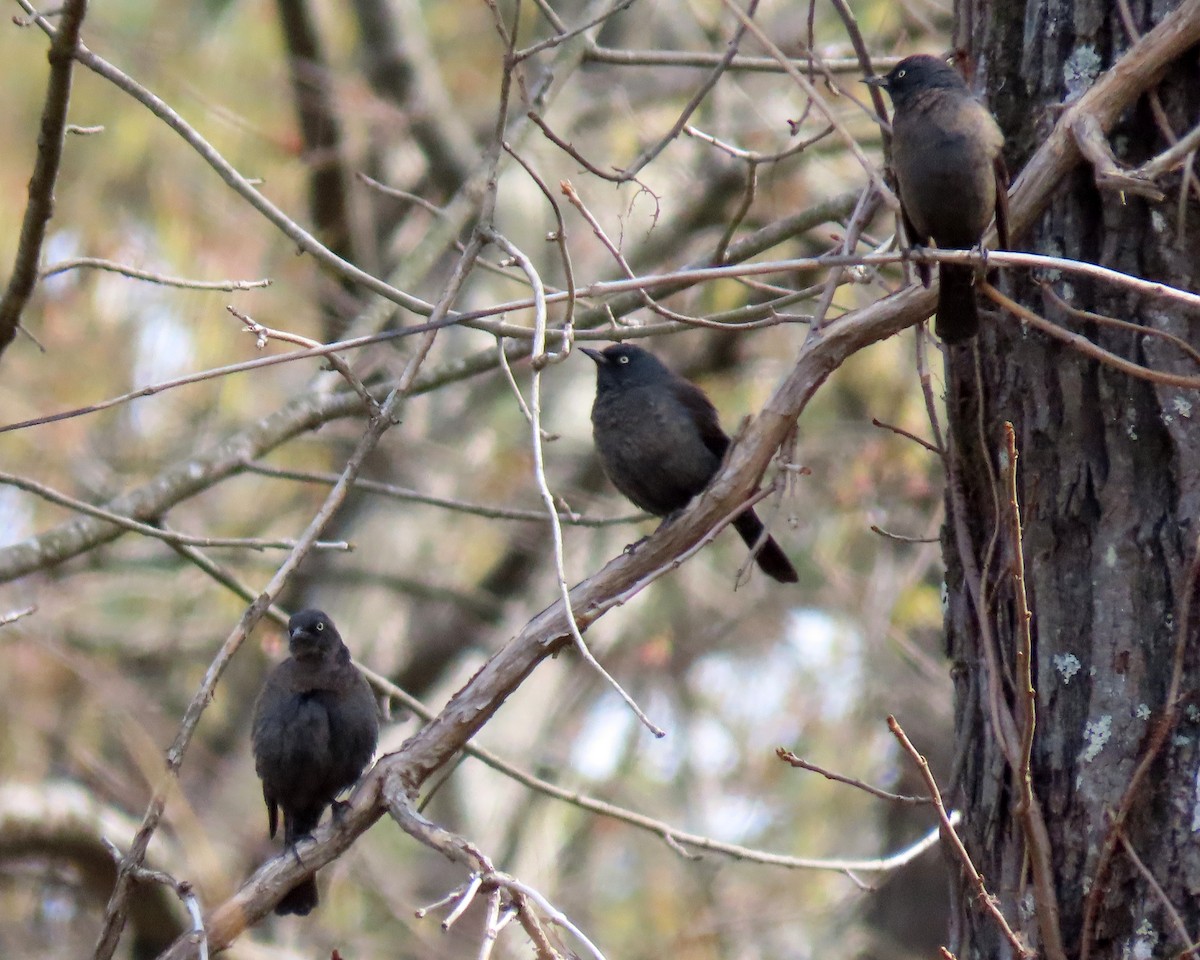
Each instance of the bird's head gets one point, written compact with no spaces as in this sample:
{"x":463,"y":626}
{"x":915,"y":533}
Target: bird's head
{"x":624,"y":364}
{"x":913,"y":75}
{"x":311,"y":633}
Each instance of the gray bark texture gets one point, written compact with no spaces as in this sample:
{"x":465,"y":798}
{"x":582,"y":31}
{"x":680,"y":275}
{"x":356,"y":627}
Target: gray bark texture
{"x":1108,"y":481}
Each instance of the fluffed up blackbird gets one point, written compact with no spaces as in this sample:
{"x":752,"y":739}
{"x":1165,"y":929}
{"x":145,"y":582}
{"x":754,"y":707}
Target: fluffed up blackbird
{"x":946,"y":157}
{"x":315,"y":729}
{"x":660,"y":442}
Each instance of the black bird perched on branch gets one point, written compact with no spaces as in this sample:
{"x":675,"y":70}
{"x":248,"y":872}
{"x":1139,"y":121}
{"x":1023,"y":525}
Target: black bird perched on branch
{"x":315,"y":729}
{"x":951,"y":174}
{"x":661,"y":443}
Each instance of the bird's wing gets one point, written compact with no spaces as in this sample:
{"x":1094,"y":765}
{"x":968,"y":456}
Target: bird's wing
{"x":1001,"y":172}
{"x":924,"y":270}
{"x":704,"y":414}
{"x":272,"y":812}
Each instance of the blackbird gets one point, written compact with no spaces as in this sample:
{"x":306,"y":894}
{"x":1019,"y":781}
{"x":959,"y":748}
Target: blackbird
{"x":315,"y":729}
{"x":951,"y":174}
{"x":660,"y":442}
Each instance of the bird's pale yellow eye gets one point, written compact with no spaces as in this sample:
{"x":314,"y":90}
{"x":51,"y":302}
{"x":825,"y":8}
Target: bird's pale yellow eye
{"x":622,"y":360}
{"x":900,"y":74}
{"x":320,"y":627}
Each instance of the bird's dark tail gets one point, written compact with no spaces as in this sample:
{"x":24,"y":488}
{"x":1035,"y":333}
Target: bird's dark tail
{"x":300,"y":900}
{"x":957,"y":311}
{"x":771,"y":558}
{"x":298,"y":824}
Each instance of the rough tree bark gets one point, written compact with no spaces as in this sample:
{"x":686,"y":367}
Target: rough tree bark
{"x":1109,"y":488}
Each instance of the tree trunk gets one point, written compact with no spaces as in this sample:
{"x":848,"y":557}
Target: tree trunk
{"x":1108,"y":482}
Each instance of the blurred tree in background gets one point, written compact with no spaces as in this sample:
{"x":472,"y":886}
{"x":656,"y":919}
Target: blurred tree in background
{"x":461,"y":156}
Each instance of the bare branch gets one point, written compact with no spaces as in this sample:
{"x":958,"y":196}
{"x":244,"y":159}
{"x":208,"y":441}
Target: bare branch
{"x":14,"y":615}
{"x":479,"y":510}
{"x":788,"y":757}
{"x":158,"y":533}
{"x":95,"y":263}
{"x":702,"y":60}
{"x":262,"y":334}
{"x":38,"y":211}
{"x":1109,"y":175}
{"x":1026,"y":696}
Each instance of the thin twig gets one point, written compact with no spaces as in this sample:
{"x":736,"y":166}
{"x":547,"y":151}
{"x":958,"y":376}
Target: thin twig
{"x":560,"y":238}
{"x":1176,"y":156}
{"x":984,"y":898}
{"x":703,"y":60}
{"x":731,"y":49}
{"x":864,"y":58}
{"x":788,"y":757}
{"x":539,"y":467}
{"x":566,"y":35}
{"x":900,"y":431}
{"x":754,"y":156}
{"x":15,"y":615}
{"x":398,"y":194}
{"x":263,"y":333}
{"x":1026,"y":696}
{"x":739,"y":215}
{"x":181,"y":888}
{"x":864,"y":210}
{"x":1142,"y":330}
{"x":218,"y":372}
{"x":511,"y":380}
{"x":1085,"y":346}
{"x":702,"y":273}
{"x":158,"y":533}
{"x":1169,"y":908}
{"x":491,"y":926}
{"x":461,"y":506}
{"x":900,"y":537}
{"x":95,"y":263}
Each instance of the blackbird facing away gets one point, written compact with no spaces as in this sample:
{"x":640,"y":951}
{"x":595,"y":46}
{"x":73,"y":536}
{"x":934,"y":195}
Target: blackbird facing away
{"x":315,"y":729}
{"x":951,"y":175}
{"x":660,"y":442}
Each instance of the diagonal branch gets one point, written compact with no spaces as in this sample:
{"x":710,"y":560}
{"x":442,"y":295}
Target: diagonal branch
{"x":548,"y":632}
{"x":45,"y":172}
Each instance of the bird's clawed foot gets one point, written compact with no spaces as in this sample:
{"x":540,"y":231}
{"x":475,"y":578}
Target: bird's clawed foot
{"x":924,"y":270}
{"x":294,"y":849}
{"x":990,"y":274}
{"x":631,"y":547}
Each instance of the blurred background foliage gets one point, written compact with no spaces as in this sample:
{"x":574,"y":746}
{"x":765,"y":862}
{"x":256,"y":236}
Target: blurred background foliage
{"x":95,"y":682}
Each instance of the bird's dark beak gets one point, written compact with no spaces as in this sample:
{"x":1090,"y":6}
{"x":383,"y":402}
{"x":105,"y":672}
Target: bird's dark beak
{"x":301,"y":641}
{"x":596,"y":355}
{"x":875,"y":82}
